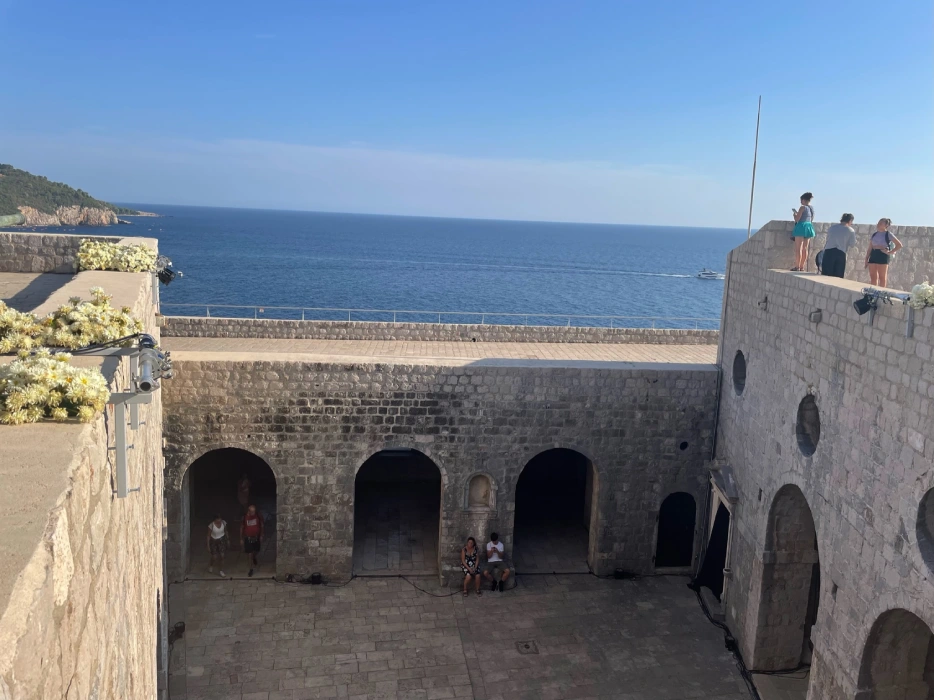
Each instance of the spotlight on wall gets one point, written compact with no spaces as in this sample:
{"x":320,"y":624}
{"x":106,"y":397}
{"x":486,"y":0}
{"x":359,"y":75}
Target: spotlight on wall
{"x":864,"y":304}
{"x":164,"y":270}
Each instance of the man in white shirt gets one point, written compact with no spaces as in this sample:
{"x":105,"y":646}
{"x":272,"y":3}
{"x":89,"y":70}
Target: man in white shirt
{"x":495,"y":571}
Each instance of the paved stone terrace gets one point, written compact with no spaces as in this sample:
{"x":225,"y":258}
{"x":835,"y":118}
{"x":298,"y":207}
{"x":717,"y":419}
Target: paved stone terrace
{"x":382,"y":639}
{"x":558,"y":354}
{"x":24,"y":291}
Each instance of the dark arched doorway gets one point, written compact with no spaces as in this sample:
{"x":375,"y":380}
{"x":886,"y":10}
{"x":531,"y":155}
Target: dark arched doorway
{"x":674,"y":546}
{"x":555,"y":513}
{"x":213,"y":483}
{"x":790,"y":584}
{"x":397,"y":514}
{"x":898,"y":660}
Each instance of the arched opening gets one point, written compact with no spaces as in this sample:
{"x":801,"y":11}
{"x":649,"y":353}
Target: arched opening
{"x":790,"y":584}
{"x":555,"y":515}
{"x":739,"y":372}
{"x":925,"y":528}
{"x":898,"y":660}
{"x":674,"y":545}
{"x":718,"y":545}
{"x":397,"y":514}
{"x":216,"y":487}
{"x":807,"y":426}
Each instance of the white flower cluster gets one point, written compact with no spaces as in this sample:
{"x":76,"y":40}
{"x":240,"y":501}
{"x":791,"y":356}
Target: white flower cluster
{"x":82,"y":323}
{"x":922,"y":295}
{"x":101,"y":255}
{"x":18,"y":330}
{"x":44,"y":385}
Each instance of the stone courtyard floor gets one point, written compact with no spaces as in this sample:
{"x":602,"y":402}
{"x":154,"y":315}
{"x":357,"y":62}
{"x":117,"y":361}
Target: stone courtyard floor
{"x":551,"y":638}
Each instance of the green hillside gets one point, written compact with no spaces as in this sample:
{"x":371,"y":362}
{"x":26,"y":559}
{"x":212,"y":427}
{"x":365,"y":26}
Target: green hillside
{"x":21,"y":189}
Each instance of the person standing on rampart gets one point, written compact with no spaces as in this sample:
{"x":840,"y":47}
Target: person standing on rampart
{"x":882,"y":248}
{"x":840,"y":238}
{"x":804,"y":232}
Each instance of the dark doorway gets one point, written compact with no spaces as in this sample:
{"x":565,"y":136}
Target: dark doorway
{"x":792,"y":567}
{"x":555,"y":506}
{"x":214,"y":489}
{"x":397,"y":512}
{"x":711,"y":573}
{"x":676,"y":521}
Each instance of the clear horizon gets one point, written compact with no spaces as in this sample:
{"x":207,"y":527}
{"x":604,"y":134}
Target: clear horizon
{"x":546,"y":111}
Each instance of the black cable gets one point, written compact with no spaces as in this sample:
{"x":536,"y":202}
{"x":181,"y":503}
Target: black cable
{"x":105,"y":345}
{"x":730,"y":642}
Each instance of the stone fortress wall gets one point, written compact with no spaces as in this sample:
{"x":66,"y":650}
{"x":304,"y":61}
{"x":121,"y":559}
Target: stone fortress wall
{"x":316,"y":423}
{"x":81,"y":593}
{"x":856,"y":506}
{"x":45,"y":252}
{"x":195,"y":327}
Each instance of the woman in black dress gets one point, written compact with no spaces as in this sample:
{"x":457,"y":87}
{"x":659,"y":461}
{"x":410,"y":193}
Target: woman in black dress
{"x":470,"y":565}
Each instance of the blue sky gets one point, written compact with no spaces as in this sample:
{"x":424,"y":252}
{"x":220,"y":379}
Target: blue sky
{"x":626,"y":112}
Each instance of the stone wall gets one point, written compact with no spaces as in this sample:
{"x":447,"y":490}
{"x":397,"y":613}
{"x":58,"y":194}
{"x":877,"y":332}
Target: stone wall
{"x":82,"y":588}
{"x":198,"y":327}
{"x":863,"y":483}
{"x":315,"y":424}
{"x":48,"y":252}
{"x":913,"y":264}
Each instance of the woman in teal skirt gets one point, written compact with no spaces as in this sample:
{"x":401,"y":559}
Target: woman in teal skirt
{"x":804,"y":232}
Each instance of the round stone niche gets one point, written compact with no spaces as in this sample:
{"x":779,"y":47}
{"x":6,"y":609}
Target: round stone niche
{"x":739,"y":372}
{"x":807,"y":427}
{"x":925,"y":529}
{"x":479,"y":492}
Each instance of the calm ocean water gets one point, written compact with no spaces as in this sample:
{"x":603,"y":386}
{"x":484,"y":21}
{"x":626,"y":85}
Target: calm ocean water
{"x":290,"y":258}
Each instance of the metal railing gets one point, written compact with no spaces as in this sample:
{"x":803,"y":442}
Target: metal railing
{"x":310,"y":313}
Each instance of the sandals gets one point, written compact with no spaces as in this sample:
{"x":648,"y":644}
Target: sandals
{"x":479,"y":593}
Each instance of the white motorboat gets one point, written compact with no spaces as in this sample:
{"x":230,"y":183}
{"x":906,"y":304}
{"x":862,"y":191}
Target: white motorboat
{"x":706,"y":274}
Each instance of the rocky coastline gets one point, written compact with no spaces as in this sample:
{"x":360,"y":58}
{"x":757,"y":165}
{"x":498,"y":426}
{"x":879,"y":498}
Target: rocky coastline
{"x":69,"y":216}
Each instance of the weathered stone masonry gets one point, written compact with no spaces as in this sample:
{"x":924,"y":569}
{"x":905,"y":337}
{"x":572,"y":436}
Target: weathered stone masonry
{"x":316,"y":423}
{"x":872,"y":465}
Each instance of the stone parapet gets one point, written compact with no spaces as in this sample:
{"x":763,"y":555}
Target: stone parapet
{"x":81,"y":588}
{"x":199,"y":327}
{"x":48,"y":252}
{"x":772,"y":247}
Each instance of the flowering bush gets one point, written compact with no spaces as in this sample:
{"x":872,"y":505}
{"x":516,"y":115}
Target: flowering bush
{"x":18,"y":330}
{"x":44,"y":385}
{"x":922,"y":295}
{"x":101,"y":255}
{"x":78,"y":323}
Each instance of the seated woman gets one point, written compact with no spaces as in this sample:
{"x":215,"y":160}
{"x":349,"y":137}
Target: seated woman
{"x":470,"y":565}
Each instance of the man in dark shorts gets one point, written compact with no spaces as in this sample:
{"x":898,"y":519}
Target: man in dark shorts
{"x":251,"y":535}
{"x":496,"y":570}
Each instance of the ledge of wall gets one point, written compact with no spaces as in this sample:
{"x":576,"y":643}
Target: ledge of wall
{"x":198,"y":327}
{"x":82,"y":577}
{"x":48,"y":252}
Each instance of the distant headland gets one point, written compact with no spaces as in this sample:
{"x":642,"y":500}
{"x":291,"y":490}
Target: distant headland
{"x":34,"y":200}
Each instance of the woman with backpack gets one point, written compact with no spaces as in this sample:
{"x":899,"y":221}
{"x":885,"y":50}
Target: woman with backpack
{"x":882,"y":247}
{"x":804,"y":232}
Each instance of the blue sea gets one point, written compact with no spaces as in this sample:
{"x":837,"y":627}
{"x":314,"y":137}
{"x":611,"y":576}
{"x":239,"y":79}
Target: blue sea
{"x":271,"y":259}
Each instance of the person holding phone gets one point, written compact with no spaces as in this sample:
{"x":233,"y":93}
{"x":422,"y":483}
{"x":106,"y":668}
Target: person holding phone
{"x":804,"y":231}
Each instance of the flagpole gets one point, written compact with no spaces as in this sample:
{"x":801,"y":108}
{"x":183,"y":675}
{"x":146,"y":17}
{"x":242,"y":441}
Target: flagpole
{"x":755,"y":157}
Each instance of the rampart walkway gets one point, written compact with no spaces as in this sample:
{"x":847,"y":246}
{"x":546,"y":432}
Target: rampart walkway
{"x":447,"y":353}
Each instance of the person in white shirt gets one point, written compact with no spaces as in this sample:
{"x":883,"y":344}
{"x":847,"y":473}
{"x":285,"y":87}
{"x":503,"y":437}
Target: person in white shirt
{"x":217,"y":543}
{"x":496,"y":570}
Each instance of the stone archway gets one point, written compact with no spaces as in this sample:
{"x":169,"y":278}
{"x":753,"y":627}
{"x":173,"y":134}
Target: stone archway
{"x":211,"y":486}
{"x":790,"y":584}
{"x":397,"y":514}
{"x":898,"y":659}
{"x":674,"y":543}
{"x":555,"y":526}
